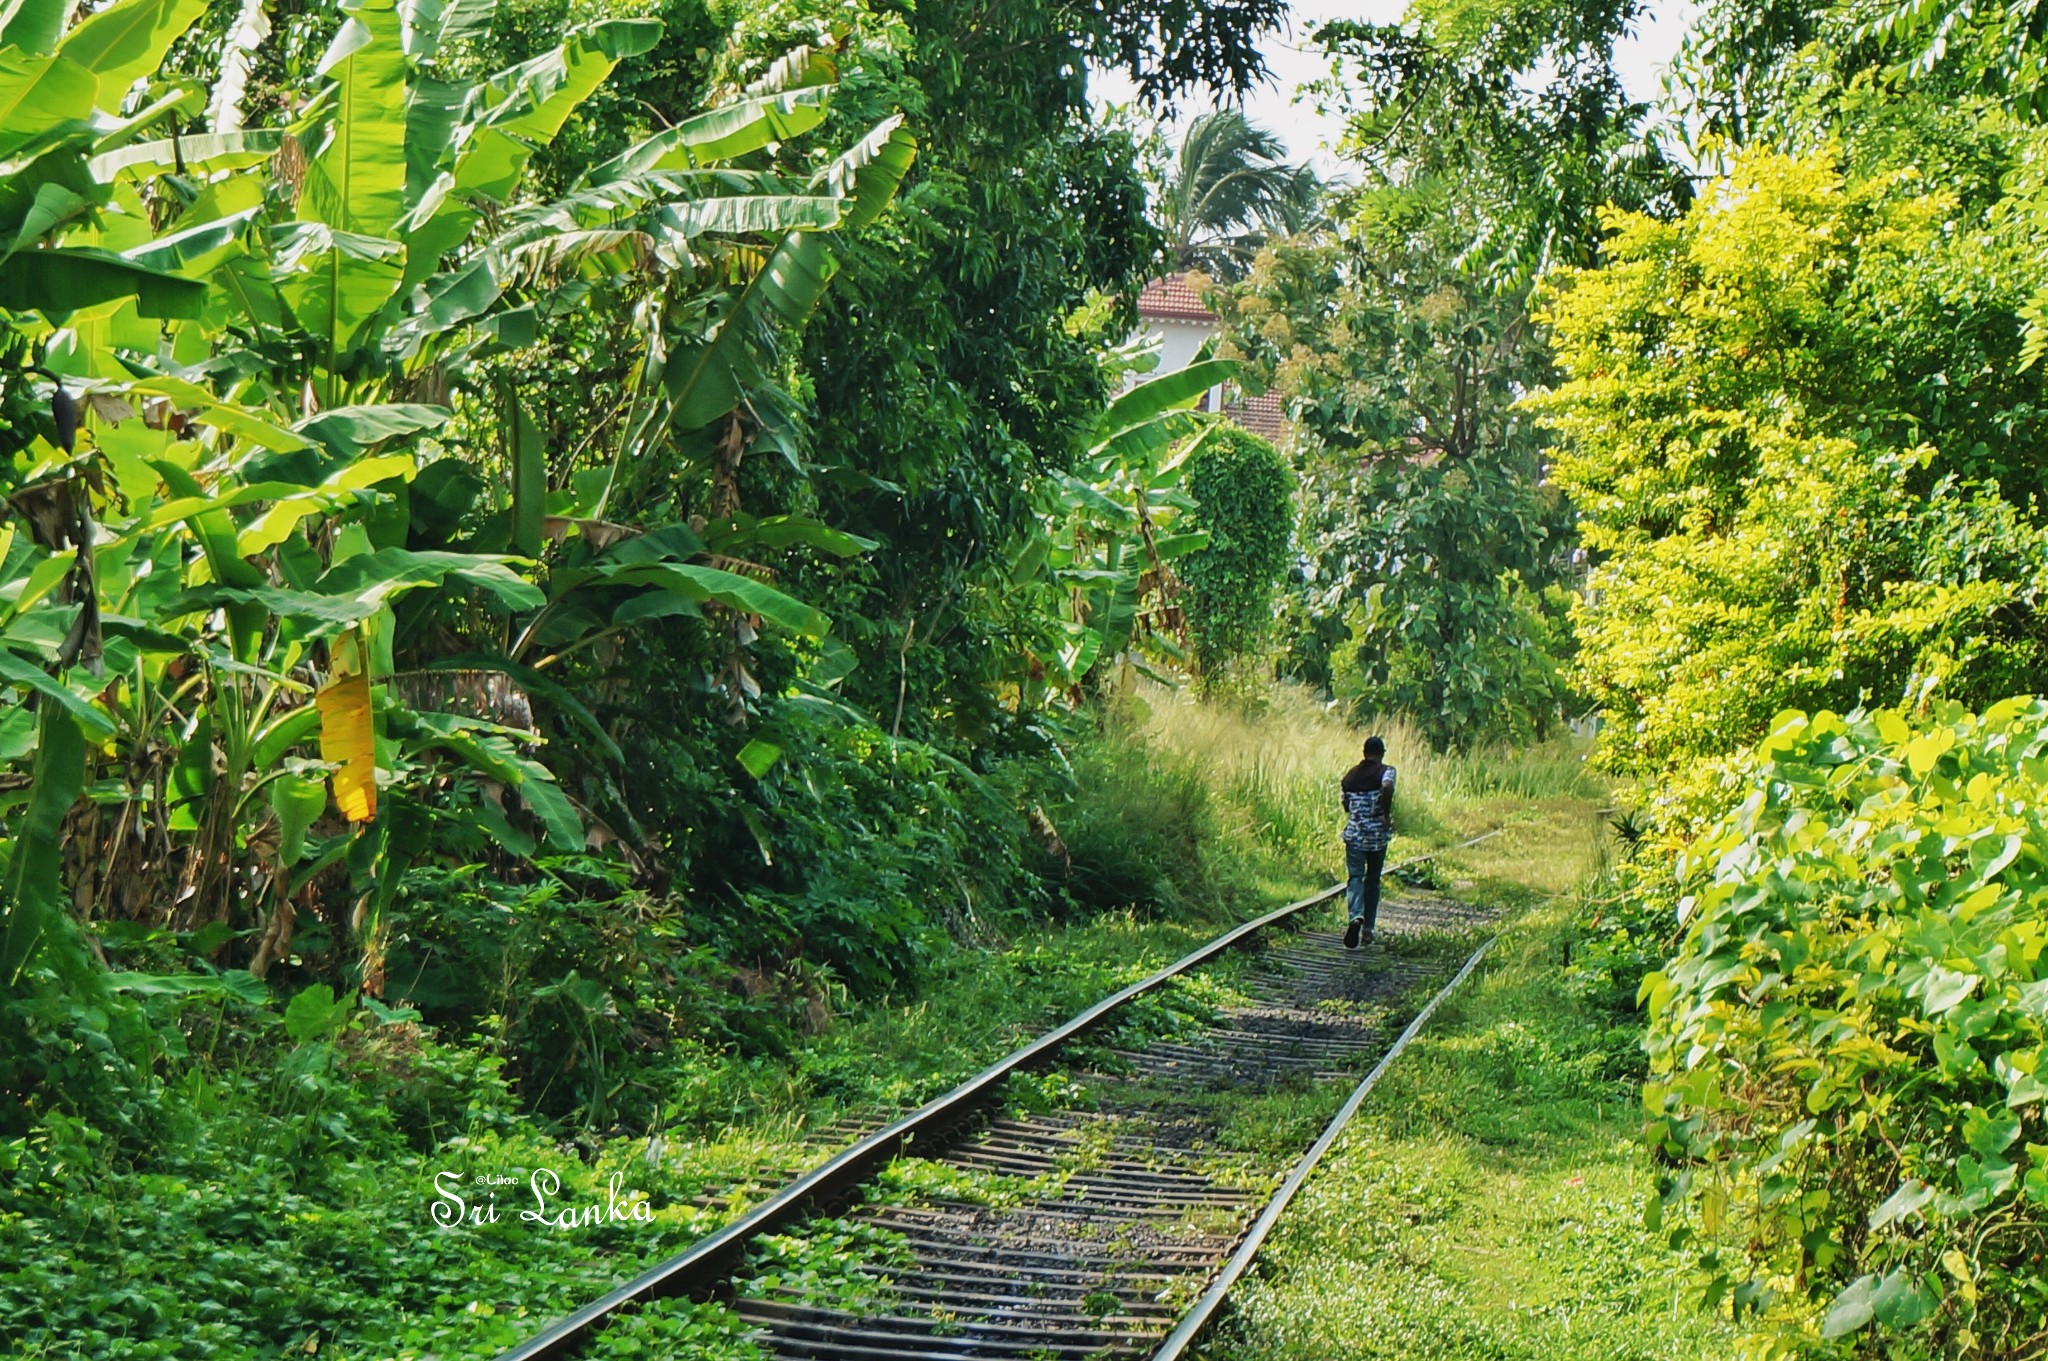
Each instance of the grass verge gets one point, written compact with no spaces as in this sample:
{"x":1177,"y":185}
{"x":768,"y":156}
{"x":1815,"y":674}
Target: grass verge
{"x":1487,"y":1204}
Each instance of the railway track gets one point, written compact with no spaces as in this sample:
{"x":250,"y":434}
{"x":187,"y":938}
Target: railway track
{"x":1112,"y":1221}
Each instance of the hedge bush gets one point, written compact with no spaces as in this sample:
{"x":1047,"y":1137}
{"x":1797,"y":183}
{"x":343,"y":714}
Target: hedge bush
{"x":1849,"y":1048}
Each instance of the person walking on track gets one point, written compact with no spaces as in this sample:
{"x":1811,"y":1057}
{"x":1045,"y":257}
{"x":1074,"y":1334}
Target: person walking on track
{"x":1368,"y":798}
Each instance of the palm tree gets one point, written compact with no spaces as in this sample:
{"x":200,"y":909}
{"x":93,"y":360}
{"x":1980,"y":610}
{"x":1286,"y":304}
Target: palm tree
{"x":1228,"y":190}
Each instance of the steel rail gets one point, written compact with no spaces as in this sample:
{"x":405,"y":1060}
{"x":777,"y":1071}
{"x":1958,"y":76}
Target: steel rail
{"x":1206,"y":1308}
{"x":700,"y":1269}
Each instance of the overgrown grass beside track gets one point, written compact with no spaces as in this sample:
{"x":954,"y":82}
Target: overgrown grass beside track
{"x":1488,"y":1202}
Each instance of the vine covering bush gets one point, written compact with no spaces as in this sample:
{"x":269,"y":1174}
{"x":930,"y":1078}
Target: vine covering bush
{"x":1850,"y":1045}
{"x":1242,"y":493}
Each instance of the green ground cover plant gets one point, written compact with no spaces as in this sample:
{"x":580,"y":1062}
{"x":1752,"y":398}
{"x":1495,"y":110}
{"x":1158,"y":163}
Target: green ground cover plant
{"x":1847,"y":1044}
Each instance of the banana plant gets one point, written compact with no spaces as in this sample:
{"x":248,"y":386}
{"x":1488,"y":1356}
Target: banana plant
{"x":216,"y":594}
{"x":1105,"y":541}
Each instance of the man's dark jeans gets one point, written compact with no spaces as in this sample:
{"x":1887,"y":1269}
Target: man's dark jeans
{"x":1364,"y":867}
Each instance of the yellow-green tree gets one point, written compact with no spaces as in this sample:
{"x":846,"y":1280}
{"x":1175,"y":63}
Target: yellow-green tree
{"x":1801,"y":438}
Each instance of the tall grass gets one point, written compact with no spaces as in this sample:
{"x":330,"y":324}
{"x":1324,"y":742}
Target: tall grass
{"x":1273,"y":770}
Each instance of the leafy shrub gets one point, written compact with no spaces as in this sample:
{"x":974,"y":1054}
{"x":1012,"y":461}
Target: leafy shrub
{"x":1850,"y":1046}
{"x":1242,"y":493}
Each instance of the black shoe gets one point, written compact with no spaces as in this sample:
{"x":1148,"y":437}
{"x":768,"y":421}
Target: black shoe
{"x":1351,"y":933}
{"x":1365,"y":940}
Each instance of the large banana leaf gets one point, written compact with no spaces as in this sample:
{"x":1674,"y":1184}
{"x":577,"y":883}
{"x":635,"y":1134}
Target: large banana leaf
{"x":34,"y":25}
{"x":720,"y":134}
{"x":237,"y":58}
{"x":353,"y":430}
{"x":427,"y":24}
{"x":523,"y":108}
{"x":56,"y":695}
{"x":355,"y":181}
{"x":491,"y":752}
{"x":203,"y":154}
{"x":695,"y":584}
{"x":703,"y":381}
{"x":126,"y":42}
{"x":1150,"y":400}
{"x":39,"y":95}
{"x":336,"y":284}
{"x":63,"y":279}
{"x":869,"y":171}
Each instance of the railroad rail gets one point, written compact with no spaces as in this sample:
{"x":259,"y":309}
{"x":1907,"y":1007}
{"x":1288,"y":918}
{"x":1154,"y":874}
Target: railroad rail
{"x":1144,"y":1224}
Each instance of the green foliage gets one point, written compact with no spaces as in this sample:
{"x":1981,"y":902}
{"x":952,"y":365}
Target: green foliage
{"x":1795,"y":421}
{"x":1847,"y":1046}
{"x":1242,"y":493}
{"x":1429,"y":541}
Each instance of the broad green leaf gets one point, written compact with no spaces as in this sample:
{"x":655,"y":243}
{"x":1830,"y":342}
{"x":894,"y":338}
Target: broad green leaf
{"x":17,"y":671}
{"x":34,"y":25}
{"x":1157,"y":396}
{"x":235,"y":420}
{"x":202,"y":154}
{"x":738,"y":537}
{"x":1911,"y":1197}
{"x":704,"y":381}
{"x":694,"y":583}
{"x":126,"y":42}
{"x":523,"y":108}
{"x":317,"y":1014}
{"x":427,"y":24}
{"x":245,"y":36}
{"x":757,"y":758}
{"x":529,"y":464}
{"x":355,"y":179}
{"x":753,"y":213}
{"x":192,"y":774}
{"x":1852,"y":1309}
{"x":1171,"y":546}
{"x":350,"y":430}
{"x":63,"y":279}
{"x":795,"y":70}
{"x":1946,"y":989}
{"x":389,"y":570}
{"x":234,"y":985}
{"x":869,"y":172}
{"x":42,"y":94}
{"x":298,"y":801}
{"x":196,"y":250}
{"x":720,"y":134}
{"x":546,"y":801}
{"x":283,"y":733}
{"x":1901,"y":1301}
{"x":17,"y":732}
{"x":336,"y":284}
{"x":50,"y":206}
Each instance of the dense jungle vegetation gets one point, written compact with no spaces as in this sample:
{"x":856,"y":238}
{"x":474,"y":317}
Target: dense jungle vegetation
{"x":602,"y":585}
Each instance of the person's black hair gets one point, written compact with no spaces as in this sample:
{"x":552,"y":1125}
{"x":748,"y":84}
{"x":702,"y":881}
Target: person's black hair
{"x":1375,"y":747}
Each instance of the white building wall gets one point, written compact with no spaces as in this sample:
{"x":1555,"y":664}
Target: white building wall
{"x":1179,"y":342}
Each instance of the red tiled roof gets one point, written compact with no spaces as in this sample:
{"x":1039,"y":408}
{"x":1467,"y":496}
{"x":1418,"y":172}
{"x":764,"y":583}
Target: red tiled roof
{"x":1170,"y":299}
{"x":1262,"y":415}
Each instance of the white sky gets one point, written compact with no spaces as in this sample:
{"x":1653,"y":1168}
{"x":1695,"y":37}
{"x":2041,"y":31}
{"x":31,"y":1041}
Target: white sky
{"x":1641,"y":59}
